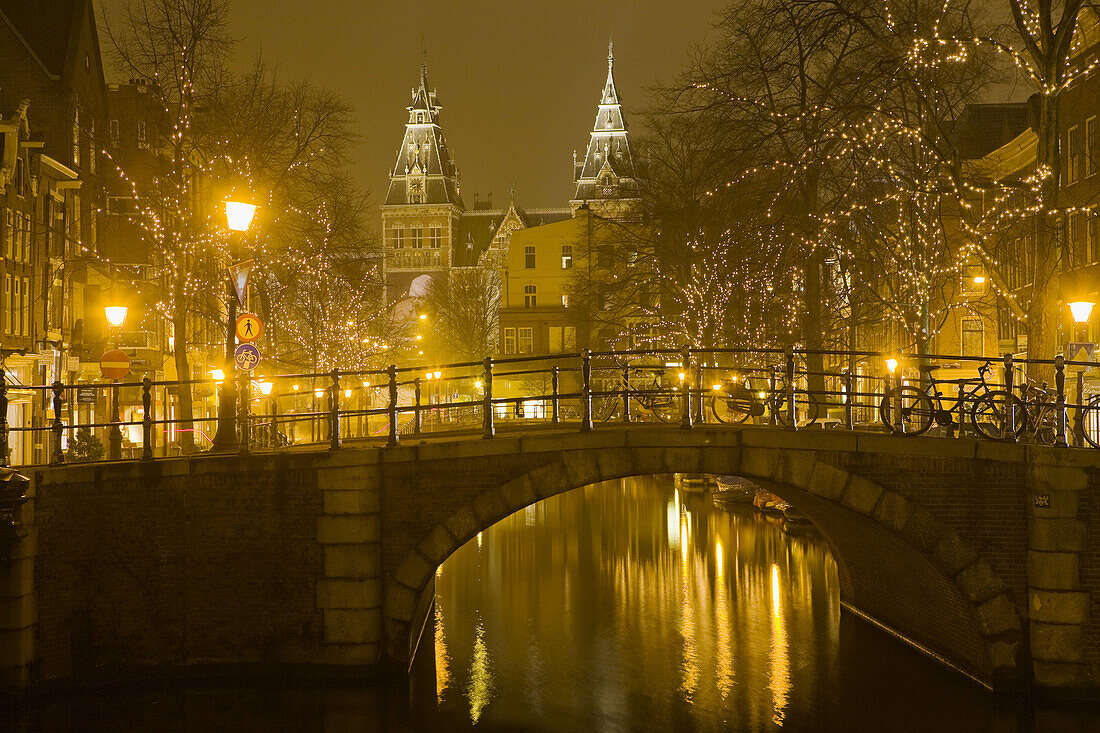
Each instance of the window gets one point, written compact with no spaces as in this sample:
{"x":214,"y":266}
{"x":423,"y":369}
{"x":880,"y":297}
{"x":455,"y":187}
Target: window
{"x":113,"y":126}
{"x":1077,"y":240}
{"x":526,"y":341}
{"x":5,"y":310}
{"x":529,"y":257}
{"x":509,"y":341}
{"x":13,"y":307}
{"x":565,"y":300}
{"x":973,"y":337}
{"x":26,"y":243}
{"x":566,"y":256}
{"x":19,"y":179}
{"x":141,"y":133}
{"x":396,"y":238}
{"x":9,"y":232}
{"x":435,"y":237}
{"x":1073,"y":155}
{"x":25,"y":308}
{"x":1092,"y":147}
{"x":563,"y":339}
{"x":417,"y":241}
{"x":529,"y":293}
{"x":91,"y":147}
{"x":1091,"y":233}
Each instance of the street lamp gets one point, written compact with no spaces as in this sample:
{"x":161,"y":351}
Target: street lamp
{"x":238,"y":218}
{"x":116,"y":316}
{"x":1081,"y":311}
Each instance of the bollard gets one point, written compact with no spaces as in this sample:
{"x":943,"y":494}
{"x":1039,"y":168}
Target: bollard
{"x":334,"y":412}
{"x":417,"y":419}
{"x":489,"y":418}
{"x":554,"y":400}
{"x":792,"y":407}
{"x":700,"y":397}
{"x":685,"y":387}
{"x":3,"y":418}
{"x":1008,"y":431}
{"x":147,"y":419}
{"x":392,"y":372}
{"x":58,"y":457}
{"x":849,"y":415}
{"x":1060,"y":384}
{"x":626,"y":394}
{"x":586,"y":391}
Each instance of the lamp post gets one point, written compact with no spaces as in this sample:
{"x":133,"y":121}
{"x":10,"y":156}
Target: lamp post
{"x":265,"y":390}
{"x":116,"y":316}
{"x":1081,"y":311}
{"x":238,"y":217}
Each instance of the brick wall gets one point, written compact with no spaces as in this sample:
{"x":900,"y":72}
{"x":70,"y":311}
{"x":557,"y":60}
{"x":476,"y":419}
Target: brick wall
{"x":166,"y":566}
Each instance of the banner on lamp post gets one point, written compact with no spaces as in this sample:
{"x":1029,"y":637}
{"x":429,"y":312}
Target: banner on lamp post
{"x":238,"y":274}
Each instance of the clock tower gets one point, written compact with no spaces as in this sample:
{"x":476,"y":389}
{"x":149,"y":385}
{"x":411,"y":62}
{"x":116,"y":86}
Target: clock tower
{"x":423,"y":203}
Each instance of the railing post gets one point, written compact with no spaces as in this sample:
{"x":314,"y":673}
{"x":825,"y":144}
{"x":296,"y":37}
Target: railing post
{"x":392,"y":372}
{"x":147,"y":419}
{"x":896,"y":399}
{"x":1079,"y":431}
{"x":489,"y":418}
{"x":3,"y":417}
{"x":554,"y":400}
{"x":586,"y":391}
{"x":700,"y":399}
{"x":849,"y":414}
{"x":1060,"y":383}
{"x":417,"y":419}
{"x":1008,"y":431}
{"x":626,"y":394}
{"x":773,"y":398}
{"x":58,"y":457}
{"x":334,"y":412}
{"x":685,"y":387}
{"x":792,"y":408}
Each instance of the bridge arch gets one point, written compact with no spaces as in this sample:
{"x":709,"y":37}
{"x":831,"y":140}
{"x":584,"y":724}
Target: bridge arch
{"x":898,"y":564}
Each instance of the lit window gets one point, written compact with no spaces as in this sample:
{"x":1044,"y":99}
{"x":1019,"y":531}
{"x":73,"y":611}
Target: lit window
{"x":529,"y":293}
{"x":565,"y":300}
{"x":526,"y":340}
{"x":566,"y":256}
{"x":1073,"y":155}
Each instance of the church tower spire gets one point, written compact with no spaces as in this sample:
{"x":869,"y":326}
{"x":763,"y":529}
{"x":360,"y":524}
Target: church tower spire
{"x":607,"y":178}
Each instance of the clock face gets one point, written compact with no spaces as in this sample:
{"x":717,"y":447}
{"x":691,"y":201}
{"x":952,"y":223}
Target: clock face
{"x":416,"y":185}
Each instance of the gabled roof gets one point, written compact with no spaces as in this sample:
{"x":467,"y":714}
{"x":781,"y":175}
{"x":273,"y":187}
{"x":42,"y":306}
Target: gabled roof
{"x":982,"y":128}
{"x":47,"y":26}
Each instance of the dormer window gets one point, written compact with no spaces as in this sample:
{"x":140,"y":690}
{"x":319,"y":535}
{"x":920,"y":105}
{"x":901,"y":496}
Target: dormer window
{"x":420,"y":118}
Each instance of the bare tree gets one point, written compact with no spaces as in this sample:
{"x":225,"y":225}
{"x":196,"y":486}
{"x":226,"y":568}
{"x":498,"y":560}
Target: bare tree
{"x":466,"y":309}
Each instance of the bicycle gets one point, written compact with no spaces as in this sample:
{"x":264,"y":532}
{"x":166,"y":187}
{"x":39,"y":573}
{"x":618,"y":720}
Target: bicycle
{"x":651,"y":397}
{"x":1034,"y":415}
{"x":739,"y":399}
{"x":914,"y":410}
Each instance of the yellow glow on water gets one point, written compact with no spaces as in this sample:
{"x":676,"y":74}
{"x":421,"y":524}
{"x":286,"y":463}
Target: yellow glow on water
{"x":479,"y":540}
{"x":442,"y":658}
{"x":780,"y":676}
{"x":723,"y":624}
{"x":718,"y":556}
{"x":479,"y":689}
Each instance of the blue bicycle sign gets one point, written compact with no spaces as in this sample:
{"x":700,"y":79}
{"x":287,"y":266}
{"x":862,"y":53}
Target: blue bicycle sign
{"x":246,"y":357}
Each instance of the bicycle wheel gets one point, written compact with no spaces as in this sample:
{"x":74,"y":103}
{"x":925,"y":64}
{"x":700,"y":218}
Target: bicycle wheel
{"x":665,"y":408}
{"x":729,"y":409}
{"x":988,"y":415}
{"x":807,"y":405}
{"x":915,"y":416}
{"x":1089,"y":421}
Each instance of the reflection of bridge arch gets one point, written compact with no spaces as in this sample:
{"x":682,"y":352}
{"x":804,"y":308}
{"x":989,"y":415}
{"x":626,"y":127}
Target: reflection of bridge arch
{"x":898,"y":563}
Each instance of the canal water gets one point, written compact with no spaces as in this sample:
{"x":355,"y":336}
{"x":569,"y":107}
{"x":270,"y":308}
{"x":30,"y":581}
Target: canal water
{"x":630,"y":605}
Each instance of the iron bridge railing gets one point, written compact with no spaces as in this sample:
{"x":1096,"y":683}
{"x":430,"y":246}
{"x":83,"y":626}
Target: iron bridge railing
{"x":931,"y":394}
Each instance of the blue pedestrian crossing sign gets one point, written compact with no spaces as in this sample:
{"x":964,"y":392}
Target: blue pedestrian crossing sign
{"x":246,"y":357}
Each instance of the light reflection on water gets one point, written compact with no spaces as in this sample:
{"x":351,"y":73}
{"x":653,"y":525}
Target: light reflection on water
{"x":613,"y":605}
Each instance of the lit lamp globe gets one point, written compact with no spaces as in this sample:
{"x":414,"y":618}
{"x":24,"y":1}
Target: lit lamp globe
{"x":1081,"y":310}
{"x":238,"y":215}
{"x":116,"y":315}
{"x":265,"y":388}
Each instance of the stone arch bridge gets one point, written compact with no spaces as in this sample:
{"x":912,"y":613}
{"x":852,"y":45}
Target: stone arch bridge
{"x":984,"y":555}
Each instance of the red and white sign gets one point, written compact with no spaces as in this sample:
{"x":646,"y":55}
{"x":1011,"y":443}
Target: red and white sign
{"x":115,"y":364}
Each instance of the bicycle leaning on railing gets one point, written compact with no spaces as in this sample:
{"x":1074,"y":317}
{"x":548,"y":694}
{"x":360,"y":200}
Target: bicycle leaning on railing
{"x":908,"y":409}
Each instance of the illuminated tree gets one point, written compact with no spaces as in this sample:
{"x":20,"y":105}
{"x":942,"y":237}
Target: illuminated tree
{"x":465,"y":308}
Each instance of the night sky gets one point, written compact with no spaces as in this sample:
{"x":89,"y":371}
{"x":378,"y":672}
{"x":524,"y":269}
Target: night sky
{"x":518,"y":80}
